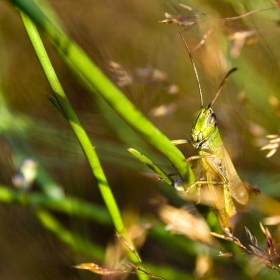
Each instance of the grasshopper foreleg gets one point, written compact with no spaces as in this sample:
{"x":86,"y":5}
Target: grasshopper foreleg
{"x":180,"y":141}
{"x":199,"y":157}
{"x":178,"y":184}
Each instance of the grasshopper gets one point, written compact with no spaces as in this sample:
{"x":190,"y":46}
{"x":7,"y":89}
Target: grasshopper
{"x":218,"y":178}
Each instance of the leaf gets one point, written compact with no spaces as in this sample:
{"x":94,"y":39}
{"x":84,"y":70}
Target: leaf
{"x":151,"y":165}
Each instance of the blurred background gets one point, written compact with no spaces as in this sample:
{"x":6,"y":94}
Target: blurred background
{"x":148,"y":61}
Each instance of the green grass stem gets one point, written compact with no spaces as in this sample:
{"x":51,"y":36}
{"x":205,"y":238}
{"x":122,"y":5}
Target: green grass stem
{"x":78,"y":130}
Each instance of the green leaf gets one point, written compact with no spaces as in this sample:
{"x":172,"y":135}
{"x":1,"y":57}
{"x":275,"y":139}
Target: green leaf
{"x":151,"y":165}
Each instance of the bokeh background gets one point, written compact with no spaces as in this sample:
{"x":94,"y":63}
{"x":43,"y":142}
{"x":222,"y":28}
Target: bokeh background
{"x":148,"y":61}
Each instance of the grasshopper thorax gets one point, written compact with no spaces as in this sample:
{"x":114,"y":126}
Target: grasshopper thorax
{"x":204,"y":126}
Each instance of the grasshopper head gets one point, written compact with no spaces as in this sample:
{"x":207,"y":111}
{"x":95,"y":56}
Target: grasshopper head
{"x":203,"y":126}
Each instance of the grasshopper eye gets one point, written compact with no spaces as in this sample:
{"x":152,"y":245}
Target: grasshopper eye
{"x":212,"y":120}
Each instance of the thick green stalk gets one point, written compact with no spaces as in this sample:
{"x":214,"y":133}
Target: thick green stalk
{"x":94,"y":78}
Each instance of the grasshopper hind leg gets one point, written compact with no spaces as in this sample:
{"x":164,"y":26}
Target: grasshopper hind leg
{"x":223,"y":206}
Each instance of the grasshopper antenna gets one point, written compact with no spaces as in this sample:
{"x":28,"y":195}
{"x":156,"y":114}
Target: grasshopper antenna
{"x":194,"y":68}
{"x":221,"y":86}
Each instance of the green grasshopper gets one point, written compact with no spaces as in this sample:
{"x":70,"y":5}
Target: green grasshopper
{"x":218,"y":178}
